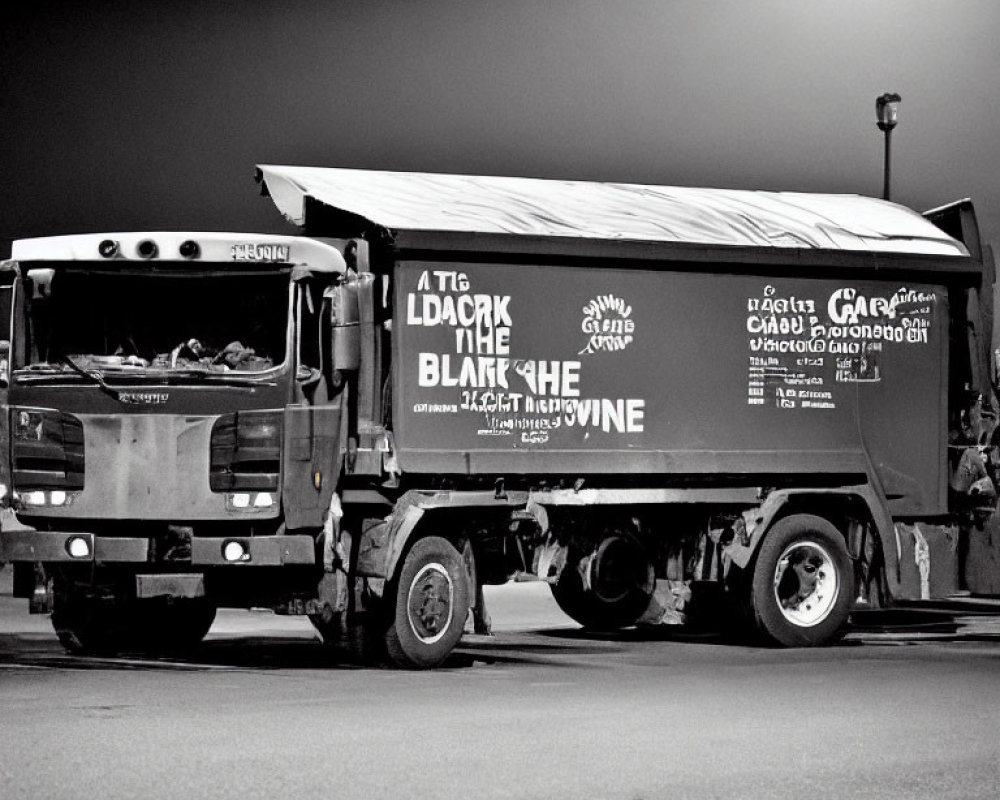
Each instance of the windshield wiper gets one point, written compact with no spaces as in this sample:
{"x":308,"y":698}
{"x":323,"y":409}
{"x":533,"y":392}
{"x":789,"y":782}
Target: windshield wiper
{"x":94,"y":375}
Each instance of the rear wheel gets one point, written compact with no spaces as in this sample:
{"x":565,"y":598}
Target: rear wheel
{"x":803,"y":583}
{"x":431,"y":605}
{"x":609,"y":587}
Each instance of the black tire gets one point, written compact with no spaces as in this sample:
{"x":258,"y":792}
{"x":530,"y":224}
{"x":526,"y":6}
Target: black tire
{"x":803,"y":583}
{"x":618,"y":594}
{"x":169,"y":626}
{"x":88,"y":625}
{"x":431,"y":599}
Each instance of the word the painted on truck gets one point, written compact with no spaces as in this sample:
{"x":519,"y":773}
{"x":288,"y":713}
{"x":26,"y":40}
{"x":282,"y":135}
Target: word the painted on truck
{"x":256,"y":251}
{"x":513,"y":394}
{"x":553,"y":378}
{"x":482,"y":320}
{"x":847,"y":307}
{"x":606,"y":320}
{"x":796,"y":341}
{"x":621,"y":414}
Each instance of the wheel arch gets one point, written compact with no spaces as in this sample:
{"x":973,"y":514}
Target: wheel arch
{"x":841,"y":506}
{"x":451,"y":516}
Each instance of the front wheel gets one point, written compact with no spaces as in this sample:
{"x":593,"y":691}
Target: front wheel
{"x":87,"y":624}
{"x":431,"y":605}
{"x":163,"y":626}
{"x":803,"y":583}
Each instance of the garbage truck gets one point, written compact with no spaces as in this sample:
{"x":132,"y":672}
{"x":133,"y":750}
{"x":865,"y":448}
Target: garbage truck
{"x":672,"y":404}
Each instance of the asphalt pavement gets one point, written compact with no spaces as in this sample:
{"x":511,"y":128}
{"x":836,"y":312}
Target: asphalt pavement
{"x":906,"y":707}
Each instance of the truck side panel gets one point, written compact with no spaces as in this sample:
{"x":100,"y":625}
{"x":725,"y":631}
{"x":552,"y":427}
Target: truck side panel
{"x":529,"y":368}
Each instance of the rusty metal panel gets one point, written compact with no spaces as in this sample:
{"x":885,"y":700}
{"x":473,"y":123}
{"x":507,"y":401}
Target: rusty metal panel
{"x":170,"y":585}
{"x":140,"y":466}
{"x":32,"y":545}
{"x":590,"y":497}
{"x":205,"y":550}
{"x":295,"y":549}
{"x":124,"y":549}
{"x":540,"y":368}
{"x":265,"y":551}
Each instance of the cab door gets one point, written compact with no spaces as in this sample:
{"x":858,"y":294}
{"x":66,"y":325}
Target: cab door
{"x":313,"y":451}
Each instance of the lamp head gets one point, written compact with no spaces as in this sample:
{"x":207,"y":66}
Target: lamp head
{"x":887,"y":110}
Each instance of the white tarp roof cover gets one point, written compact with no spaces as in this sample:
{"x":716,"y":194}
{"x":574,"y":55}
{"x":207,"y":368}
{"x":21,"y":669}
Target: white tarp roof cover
{"x":416,"y":201}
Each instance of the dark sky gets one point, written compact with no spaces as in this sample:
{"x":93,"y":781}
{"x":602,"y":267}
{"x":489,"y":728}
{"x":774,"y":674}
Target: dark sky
{"x":152,"y":115}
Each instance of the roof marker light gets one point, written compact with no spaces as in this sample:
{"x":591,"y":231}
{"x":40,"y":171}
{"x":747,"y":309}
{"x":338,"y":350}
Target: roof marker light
{"x":189,"y":249}
{"x":108,"y":248}
{"x":146,"y":248}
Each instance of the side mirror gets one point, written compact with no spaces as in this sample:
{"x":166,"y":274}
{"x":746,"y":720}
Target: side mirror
{"x":345,"y":330}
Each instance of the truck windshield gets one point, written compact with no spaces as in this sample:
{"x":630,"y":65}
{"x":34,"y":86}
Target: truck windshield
{"x":155,"y":322}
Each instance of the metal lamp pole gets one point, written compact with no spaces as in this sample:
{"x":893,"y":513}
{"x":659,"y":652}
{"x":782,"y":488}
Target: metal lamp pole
{"x":886,"y":112}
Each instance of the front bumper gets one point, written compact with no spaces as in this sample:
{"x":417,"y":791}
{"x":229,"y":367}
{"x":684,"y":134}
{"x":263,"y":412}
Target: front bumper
{"x":55,"y":547}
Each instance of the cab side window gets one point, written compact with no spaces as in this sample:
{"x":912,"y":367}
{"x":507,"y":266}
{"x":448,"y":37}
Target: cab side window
{"x":309,"y":308}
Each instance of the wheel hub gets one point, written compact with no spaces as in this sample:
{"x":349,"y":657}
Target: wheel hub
{"x":429,"y":603}
{"x":806,"y":583}
{"x":618,"y":569}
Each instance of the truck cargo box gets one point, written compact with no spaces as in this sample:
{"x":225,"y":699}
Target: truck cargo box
{"x":550,"y":369}
{"x":659,"y":333}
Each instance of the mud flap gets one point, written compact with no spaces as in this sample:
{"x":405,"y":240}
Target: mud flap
{"x":478,"y":621}
{"x":982,"y":562}
{"x":928,"y":560}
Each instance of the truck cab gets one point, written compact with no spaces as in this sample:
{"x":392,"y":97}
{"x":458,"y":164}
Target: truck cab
{"x":176,"y":407}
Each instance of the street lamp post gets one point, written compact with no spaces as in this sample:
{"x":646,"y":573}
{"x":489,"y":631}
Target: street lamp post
{"x":886,"y":111}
